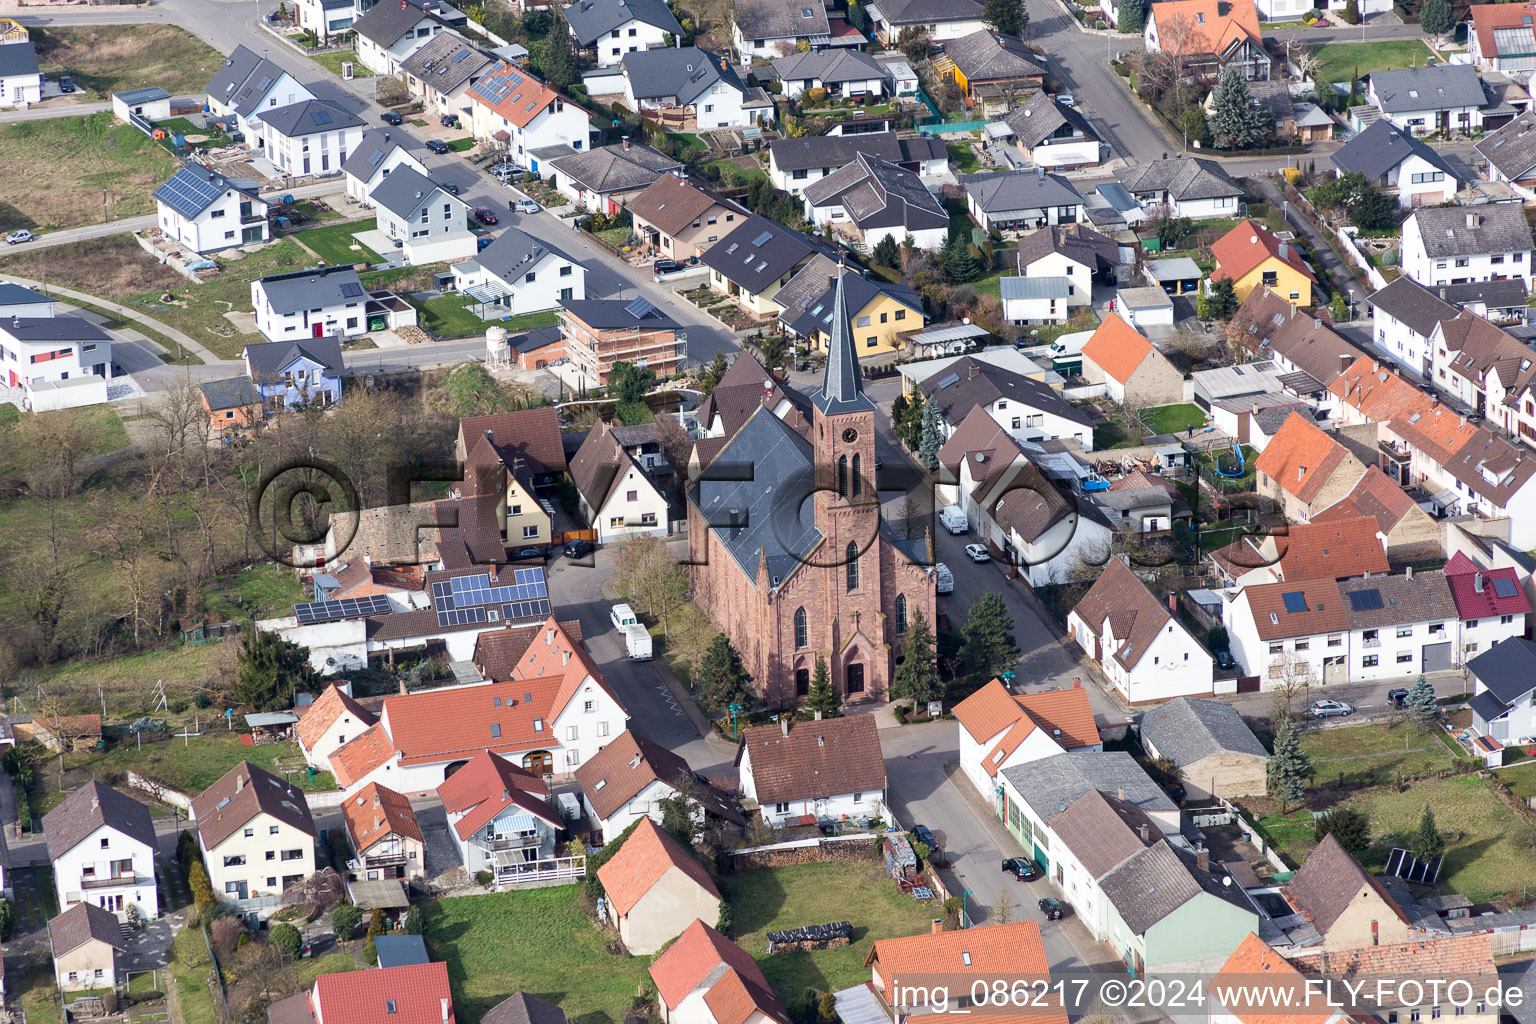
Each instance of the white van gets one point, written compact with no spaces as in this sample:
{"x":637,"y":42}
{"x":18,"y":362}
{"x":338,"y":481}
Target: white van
{"x":943,"y":579}
{"x":953,"y":518}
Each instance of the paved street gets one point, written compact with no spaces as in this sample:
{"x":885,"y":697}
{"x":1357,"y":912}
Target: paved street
{"x":53,"y":110}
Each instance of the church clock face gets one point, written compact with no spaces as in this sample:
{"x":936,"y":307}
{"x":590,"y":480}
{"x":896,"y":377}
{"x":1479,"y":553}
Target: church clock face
{"x":850,"y":435}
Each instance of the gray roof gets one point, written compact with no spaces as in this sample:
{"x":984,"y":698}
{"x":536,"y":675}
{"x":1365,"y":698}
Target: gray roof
{"x":1161,"y":879}
{"x":16,"y":295}
{"x":248,"y":92}
{"x":831,"y":65}
{"x":1507,"y":669}
{"x":1189,"y":730}
{"x":447,"y":62}
{"x":405,"y":190}
{"x":842,"y":386}
{"x":230,"y":393}
{"x":1406,"y":300}
{"x":616,"y":168}
{"x":269,"y":359}
{"x":89,"y":808}
{"x":617,"y":314}
{"x":1051,"y":784}
{"x":1078,"y":242}
{"x":985,"y":56}
{"x":879,"y":194}
{"x":514,"y":251}
{"x":1034,"y":287}
{"x":229,"y":78}
{"x":522,"y":1008}
{"x":1397,"y":600}
{"x":1180,"y":268}
{"x":1189,"y":178}
{"x":968,"y":382}
{"x":194,"y":188}
{"x":308,"y":117}
{"x":1437,"y":87}
{"x":52,"y":328}
{"x":241,"y":794}
{"x":133,"y":97}
{"x":839,"y":150}
{"x":758,"y":252}
{"x":400,"y":950}
{"x":780,"y":19}
{"x":1511,"y":149}
{"x":18,"y":59}
{"x":1021,"y":190}
{"x":1488,"y":705}
{"x":809,"y":297}
{"x":907,"y":12}
{"x":387,"y":22}
{"x":313,"y":288}
{"x":590,"y":20}
{"x":84,"y":922}
{"x":376,"y":145}
{"x":685,"y":72}
{"x":1493,"y":294}
{"x":1382,"y":147}
{"x":1456,"y":231}
{"x":1041,"y":118}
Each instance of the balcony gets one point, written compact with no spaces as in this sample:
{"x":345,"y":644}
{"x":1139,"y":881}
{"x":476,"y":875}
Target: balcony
{"x":385,"y":860}
{"x":249,"y":904}
{"x":536,"y":873}
{"x":111,"y":881}
{"x":1371,"y":644}
{"x":247,"y":219}
{"x":506,"y":844}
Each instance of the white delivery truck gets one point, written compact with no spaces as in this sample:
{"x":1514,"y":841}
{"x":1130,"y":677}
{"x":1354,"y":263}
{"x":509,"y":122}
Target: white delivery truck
{"x":637,"y":639}
{"x":953,"y":518}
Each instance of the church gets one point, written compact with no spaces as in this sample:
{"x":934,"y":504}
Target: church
{"x":790,"y":557}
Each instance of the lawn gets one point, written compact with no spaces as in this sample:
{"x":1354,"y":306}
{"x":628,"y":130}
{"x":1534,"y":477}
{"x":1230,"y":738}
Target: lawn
{"x":688,"y":144}
{"x":332,"y":63}
{"x":1340,"y":62}
{"x":263,"y":591}
{"x":190,"y":968}
{"x":334,"y":242}
{"x":306,"y":971}
{"x":128,"y":680}
{"x":463,"y":145}
{"x":1521,"y":779}
{"x":39,"y":997}
{"x":103,"y":432}
{"x":856,"y":892}
{"x":211,"y":140}
{"x":730,"y":170}
{"x":1173,"y":419}
{"x":446,"y":317}
{"x":1208,"y":462}
{"x":56,"y":169}
{"x":533,"y":940}
{"x":1372,"y":754}
{"x":104,"y":59}
{"x":963,"y":156}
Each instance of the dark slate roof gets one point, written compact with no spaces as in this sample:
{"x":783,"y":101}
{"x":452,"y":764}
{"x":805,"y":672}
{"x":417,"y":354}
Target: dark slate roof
{"x":133,"y":97}
{"x":522,"y":1008}
{"x":387,"y":22}
{"x":404,"y":190}
{"x":18,"y":59}
{"x":247,"y":98}
{"x":536,"y":339}
{"x":831,"y":65}
{"x":230,"y":393}
{"x":1460,"y":231}
{"x":817,"y":151}
{"x":52,"y":328}
{"x":1493,"y":294}
{"x":513,"y":252}
{"x":313,"y":288}
{"x":968,"y":382}
{"x":82,"y":923}
{"x":194,"y":188}
{"x":590,"y":20}
{"x":1507,"y":669}
{"x":1380,"y":148}
{"x":1158,"y":881}
{"x":1189,"y":730}
{"x":1051,"y":784}
{"x":685,"y":72}
{"x":1021,"y":190}
{"x":907,"y":12}
{"x":1187,"y":178}
{"x":1512,"y":149}
{"x":16,"y":295}
{"x":780,"y":19}
{"x":375,"y":146}
{"x":1429,"y":88}
{"x":616,"y":168}
{"x":842,"y":386}
{"x":269,"y":359}
{"x":1041,"y":117}
{"x":1488,"y":706}
{"x":447,"y":62}
{"x":240,"y":795}
{"x":809,"y":297}
{"x":89,"y":808}
{"x":401,"y":950}
{"x":985,"y":56}
{"x":758,"y":252}
{"x":1406,"y":300}
{"x":616,"y":314}
{"x":229,"y":78}
{"x":879,"y":194}
{"x":308,"y":117}
{"x":1077,"y":242}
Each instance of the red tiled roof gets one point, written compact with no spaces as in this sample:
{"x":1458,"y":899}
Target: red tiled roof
{"x":734,"y":999}
{"x":526,"y":97}
{"x":1300,"y":457}
{"x":992,"y":709}
{"x":1378,"y":394}
{"x":324,"y":712}
{"x":1247,"y":245}
{"x":1134,"y":612}
{"x":1254,"y":959}
{"x":1375,"y":495}
{"x":814,"y":759}
{"x":413,"y":994}
{"x":1013,"y":950}
{"x":529,"y":435}
{"x":988,"y":711}
{"x":1467,"y":956}
{"x":355,"y":759}
{"x":1472,"y":603}
{"x":647,"y":855}
{"x":1488,"y":17}
{"x":1347,"y":547}
{"x":376,"y":812}
{"x":1323,"y":610}
{"x":488,"y":785}
{"x":690,"y":959}
{"x":1116,"y":347}
{"x":1214,"y":24}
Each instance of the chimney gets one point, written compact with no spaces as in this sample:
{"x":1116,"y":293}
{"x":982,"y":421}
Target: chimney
{"x":1477,"y":582}
{"x":1463,"y":419}
{"x":626,"y":142}
{"x":784,"y":725}
{"x":1173,"y":603}
{"x":1077,"y":684}
{"x":1255,"y":410}
{"x":1120,"y":793}
{"x":818,"y":714}
{"x":565,"y":658}
{"x":1203,"y":859}
{"x":971,"y":371}
{"x":376,"y":800}
{"x":1408,"y":573}
{"x":549,"y":635}
{"x":938,"y":925}
{"x":1375,"y":366}
{"x":722,"y":64}
{"x":240,"y":779}
{"x":1146,"y":832}
{"x":95,"y":802}
{"x":1344,"y":362}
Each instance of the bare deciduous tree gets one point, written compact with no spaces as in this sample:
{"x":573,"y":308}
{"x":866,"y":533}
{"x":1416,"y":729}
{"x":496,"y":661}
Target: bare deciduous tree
{"x":649,"y":576}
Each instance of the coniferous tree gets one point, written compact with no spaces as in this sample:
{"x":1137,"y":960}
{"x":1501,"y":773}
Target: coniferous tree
{"x":917,"y":677}
{"x":1005,"y":16}
{"x":1235,"y":122}
{"x":1427,"y":843}
{"x":723,"y":679}
{"x":932,"y":439}
{"x":1350,"y":827}
{"x":269,"y":669}
{"x":1289,"y":767}
{"x":1132,"y":16}
{"x":987,"y":636}
{"x":559,"y":59}
{"x":887,"y":253}
{"x":821,"y":696}
{"x":1420,"y":701}
{"x":1435,"y":17}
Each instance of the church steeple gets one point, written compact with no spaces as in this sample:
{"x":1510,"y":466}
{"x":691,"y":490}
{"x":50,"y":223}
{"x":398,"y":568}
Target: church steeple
{"x":842,"y":389}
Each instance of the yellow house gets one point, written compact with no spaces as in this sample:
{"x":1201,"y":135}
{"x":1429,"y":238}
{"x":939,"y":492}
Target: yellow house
{"x":754,"y":261}
{"x":523,"y":520}
{"x":1250,"y":256}
{"x":880,"y":314}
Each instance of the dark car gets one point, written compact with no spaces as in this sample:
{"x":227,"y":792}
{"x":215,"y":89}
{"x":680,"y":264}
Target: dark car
{"x":437,"y":146}
{"x":579,"y":548}
{"x":485,"y":215}
{"x":922,"y":834}
{"x":1224,"y":659}
{"x":1022,"y":868}
{"x":390,"y":117}
{"x":666,"y":267}
{"x":450,"y":188}
{"x":1053,"y":908}
{"x":66,"y":84}
{"x":524,"y":554}
{"x":1397,"y":698}
{"x":449,"y":120}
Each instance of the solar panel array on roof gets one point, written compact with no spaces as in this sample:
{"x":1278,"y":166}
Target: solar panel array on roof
{"x":319,"y":116}
{"x":188,"y":193}
{"x":346,"y":608}
{"x":1295,"y":601}
{"x":350,"y":290}
{"x":760,"y":239}
{"x":639,"y":308}
{"x":1365,"y":600}
{"x":1504,"y":588}
{"x":526,"y":598}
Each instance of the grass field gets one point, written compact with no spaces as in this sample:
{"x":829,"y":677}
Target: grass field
{"x":963,"y":155}
{"x":104,"y":59}
{"x":1521,"y":779}
{"x":262,"y":591}
{"x":39,"y":997}
{"x":103,"y":432}
{"x":446,"y":317}
{"x":190,"y":967}
{"x":332,"y":63}
{"x":463,"y":145}
{"x":1173,"y":419}
{"x":334,"y":242}
{"x":730,"y":169}
{"x":55,"y":171}
{"x":1372,"y":754}
{"x":1340,"y":62}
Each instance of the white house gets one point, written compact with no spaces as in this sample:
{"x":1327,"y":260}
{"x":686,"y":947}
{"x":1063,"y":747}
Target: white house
{"x":314,"y":303}
{"x":326,"y":18}
{"x":1022,"y":200}
{"x":390,"y":32}
{"x":249,"y":84}
{"x":1050,"y":134}
{"x":431,"y":223}
{"x":20,"y":82}
{"x":619,"y":497}
{"x":765,"y":29}
{"x":1404,"y":317}
{"x":1027,"y":409}
{"x":87,"y":944}
{"x":941,"y":19}
{"x":441,"y":72}
{"x":18,"y":301}
{"x":1395,"y":162}
{"x":793,"y":164}
{"x":871,"y":200}
{"x":699,"y":89}
{"x":47,"y":354}
{"x":1399,"y":626}
{"x":518,"y":274}
{"x":308,"y":138}
{"x":840,"y":72}
{"x":1504,"y":696}
{"x":612,"y":28}
{"x":1289,"y":630}
{"x":102,"y":846}
{"x":1000,"y":729}
{"x":1190,"y":187}
{"x":1456,"y":244}
{"x":704,"y":970}
{"x":1143,"y":649}
{"x":330,"y":722}
{"x":375,"y":155}
{"x":629,"y":778}
{"x":524,"y":115}
{"x":1491,"y":604}
{"x":257,"y":838}
{"x":205,"y":211}
{"x":501,"y":819}
{"x":830,"y":769}
{"x":1074,"y":253}
{"x":1425,"y":100}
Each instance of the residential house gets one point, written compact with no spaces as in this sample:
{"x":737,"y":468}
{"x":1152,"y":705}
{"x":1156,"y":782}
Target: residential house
{"x":1305,"y":470}
{"x":1349,"y":910}
{"x":841,"y":72}
{"x":524,"y":116}
{"x":205,"y":211}
{"x":1425,"y":100}
{"x":330,"y":722}
{"x":1216,"y":753}
{"x":1282,"y":632}
{"x":389,"y":33}
{"x":604,"y":179}
{"x":756,"y":259}
{"x":1455,"y":245}
{"x":384,"y":834}
{"x":1457,"y":954}
{"x":965,"y":957}
{"x":519,"y":274}
{"x":872,"y":200}
{"x":1129,"y":367}
{"x":1490,"y":603}
{"x":1504,"y":681}
{"x":618,"y":496}
{"x":234,"y":403}
{"x":1405,"y":315}
{"x":1408,"y":532}
{"x":1487,"y":477}
{"x":1330,"y":547}
{"x":87,"y":944}
{"x":1500,"y":39}
{"x":882,"y":315}
{"x":1511,"y":151}
{"x":1037,"y":300}
{"x":326,"y":18}
{"x":766,"y":29}
{"x":1313,"y":123}
{"x":631,"y":777}
{"x":1273,"y":102}
{"x":1396,"y":163}
{"x":249,"y":84}
{"x":793,"y":164}
{"x":429,"y":223}
{"x":990,"y":68}
{"x":943,"y":19}
{"x":830,"y":769}
{"x":612,"y":28}
{"x":311,"y":137}
{"x":527,"y":440}
{"x":1067,"y":259}
{"x":705,"y":978}
{"x":679,"y":219}
{"x":1250,"y":256}
{"x":21,"y":84}
{"x":503,"y":489}
{"x":1021,"y":200}
{"x":1480,"y":364}
{"x":1029,"y":410}
{"x":52,"y":351}
{"x":1399,"y":625}
{"x":101,"y":844}
{"x":601,"y":332}
{"x":502,"y":820}
{"x":256,"y":837}
{"x":655,"y":889}
{"x":1051,"y":134}
{"x":1143,"y":650}
{"x":18,"y":301}
{"x":441,"y":73}
{"x":686,"y":88}
{"x":522,"y":1008}
{"x":295,"y":374}
{"x":745,"y":388}
{"x":1190,"y":187}
{"x":1210,"y":35}
{"x":1256,"y":958}
{"x":1367,"y":393}
{"x":1000,"y":729}
{"x":375,"y":155}
{"x":417,"y":992}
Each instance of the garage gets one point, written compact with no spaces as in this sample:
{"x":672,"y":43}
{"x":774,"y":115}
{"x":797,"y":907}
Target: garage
{"x":1437,"y":657}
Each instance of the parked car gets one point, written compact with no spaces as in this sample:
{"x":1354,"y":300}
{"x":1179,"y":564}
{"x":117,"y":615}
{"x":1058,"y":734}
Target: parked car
{"x":978,"y":552}
{"x":528,"y":206}
{"x":437,"y":146}
{"x":1224,"y":659}
{"x":450,"y":188}
{"x":522,"y":554}
{"x":66,"y":84}
{"x":943,"y":579}
{"x":579,"y":548}
{"x":1053,"y":908}
{"x":1330,"y":708}
{"x":1066,"y":98}
{"x":663,"y":267}
{"x":486,"y":215}
{"x":390,"y":117}
{"x":925,"y":836}
{"x":1397,"y":698}
{"x":449,"y":120}
{"x":483,"y":242}
{"x":17,"y":237}
{"x":1022,"y":868}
